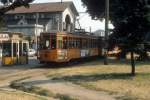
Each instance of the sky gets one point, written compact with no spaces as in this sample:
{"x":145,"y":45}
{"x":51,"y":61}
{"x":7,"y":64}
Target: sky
{"x":85,"y":20}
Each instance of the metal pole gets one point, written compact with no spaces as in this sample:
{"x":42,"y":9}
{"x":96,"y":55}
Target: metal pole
{"x":58,"y":24}
{"x":106,"y":31}
{"x":36,"y":33}
{"x":8,"y":2}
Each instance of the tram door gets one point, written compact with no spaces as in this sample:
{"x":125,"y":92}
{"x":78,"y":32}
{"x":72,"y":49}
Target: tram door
{"x":10,"y":53}
{"x":16,"y":52}
{"x":7,"y":54}
{"x":23,"y":52}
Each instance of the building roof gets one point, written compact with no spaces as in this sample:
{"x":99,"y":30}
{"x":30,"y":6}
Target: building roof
{"x":45,"y":7}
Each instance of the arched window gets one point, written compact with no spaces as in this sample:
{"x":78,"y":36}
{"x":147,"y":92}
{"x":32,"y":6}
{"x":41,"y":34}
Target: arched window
{"x":68,"y":23}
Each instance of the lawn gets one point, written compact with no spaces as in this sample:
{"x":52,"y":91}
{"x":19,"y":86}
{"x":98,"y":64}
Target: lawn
{"x":114,"y":78}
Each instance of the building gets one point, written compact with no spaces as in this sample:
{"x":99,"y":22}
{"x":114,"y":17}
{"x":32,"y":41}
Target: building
{"x":42,"y":17}
{"x":100,"y":33}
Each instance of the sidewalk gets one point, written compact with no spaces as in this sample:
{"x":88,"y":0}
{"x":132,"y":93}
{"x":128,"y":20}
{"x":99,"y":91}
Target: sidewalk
{"x":33,"y":62}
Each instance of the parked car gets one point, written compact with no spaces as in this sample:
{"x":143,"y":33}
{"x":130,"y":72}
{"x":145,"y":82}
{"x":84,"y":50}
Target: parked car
{"x":31,"y":52}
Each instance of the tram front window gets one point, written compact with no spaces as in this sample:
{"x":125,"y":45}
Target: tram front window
{"x":7,"y":49}
{"x":48,"y":42}
{"x":53,"y":42}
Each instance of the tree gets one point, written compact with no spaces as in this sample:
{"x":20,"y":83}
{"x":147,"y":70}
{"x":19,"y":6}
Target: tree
{"x":131,"y":19}
{"x":12,"y":5}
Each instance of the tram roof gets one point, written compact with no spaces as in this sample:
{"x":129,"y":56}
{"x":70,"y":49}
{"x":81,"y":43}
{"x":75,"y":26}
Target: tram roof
{"x":85,"y":34}
{"x":11,"y":33}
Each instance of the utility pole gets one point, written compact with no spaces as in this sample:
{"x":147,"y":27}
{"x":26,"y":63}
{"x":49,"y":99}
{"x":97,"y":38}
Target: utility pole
{"x":8,"y":2}
{"x":58,"y":25}
{"x":90,"y":29}
{"x":106,"y":31}
{"x":36,"y":30}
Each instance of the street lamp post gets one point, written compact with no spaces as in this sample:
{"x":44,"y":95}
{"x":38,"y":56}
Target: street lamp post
{"x":106,"y":31}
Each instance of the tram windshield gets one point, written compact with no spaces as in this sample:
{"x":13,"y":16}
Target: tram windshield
{"x":7,"y":49}
{"x":48,"y":41}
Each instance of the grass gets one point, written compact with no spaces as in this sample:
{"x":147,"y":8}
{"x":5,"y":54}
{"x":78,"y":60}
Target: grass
{"x":113,"y":78}
{"x":64,"y":97}
{"x":31,"y":89}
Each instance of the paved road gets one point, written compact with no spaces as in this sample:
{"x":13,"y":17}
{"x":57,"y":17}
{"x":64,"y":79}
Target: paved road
{"x":38,"y":78}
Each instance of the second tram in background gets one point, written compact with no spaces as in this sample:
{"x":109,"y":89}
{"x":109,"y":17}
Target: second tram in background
{"x":64,"y":47}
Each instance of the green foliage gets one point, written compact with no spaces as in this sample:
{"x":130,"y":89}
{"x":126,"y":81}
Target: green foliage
{"x":31,"y":89}
{"x":6,"y":1}
{"x":13,"y":4}
{"x":64,"y":97}
{"x":131,"y":18}
{"x":1,"y":23}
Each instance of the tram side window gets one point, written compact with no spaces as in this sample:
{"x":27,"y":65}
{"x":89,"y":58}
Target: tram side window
{"x":25,"y":49}
{"x":80,"y":43}
{"x":84,"y":44}
{"x":60,"y":44}
{"x":71,"y":43}
{"x":74,"y":43}
{"x":15,"y":45}
{"x":96,"y":43}
{"x":90,"y":43}
{"x":20,"y":49}
{"x":68,"y":43}
{"x":65,"y":45}
{"x":93,"y":43}
{"x":53,"y":42}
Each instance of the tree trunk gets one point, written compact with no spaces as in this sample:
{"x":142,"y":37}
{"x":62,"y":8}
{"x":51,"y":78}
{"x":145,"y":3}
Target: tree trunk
{"x":105,"y":58}
{"x":132,"y":64}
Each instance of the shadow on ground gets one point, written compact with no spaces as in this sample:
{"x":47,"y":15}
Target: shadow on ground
{"x":95,"y":77}
{"x":86,"y":78}
{"x":83,"y":78}
{"x":84,"y":62}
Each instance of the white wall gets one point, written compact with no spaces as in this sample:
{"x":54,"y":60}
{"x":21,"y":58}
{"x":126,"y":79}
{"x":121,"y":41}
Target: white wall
{"x":26,"y":29}
{"x":49,"y":26}
{"x":72,"y":17}
{"x":68,"y":12}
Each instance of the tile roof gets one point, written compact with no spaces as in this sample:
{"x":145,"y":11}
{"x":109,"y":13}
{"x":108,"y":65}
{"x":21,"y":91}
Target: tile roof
{"x":44,"y":7}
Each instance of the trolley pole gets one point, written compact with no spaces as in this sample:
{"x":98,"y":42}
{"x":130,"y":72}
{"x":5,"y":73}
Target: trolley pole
{"x":106,"y":31}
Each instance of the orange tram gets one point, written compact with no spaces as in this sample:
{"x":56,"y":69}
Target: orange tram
{"x":61,"y":47}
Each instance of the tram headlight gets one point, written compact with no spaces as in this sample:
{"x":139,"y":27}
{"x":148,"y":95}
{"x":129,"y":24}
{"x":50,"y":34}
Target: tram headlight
{"x":61,"y":54}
